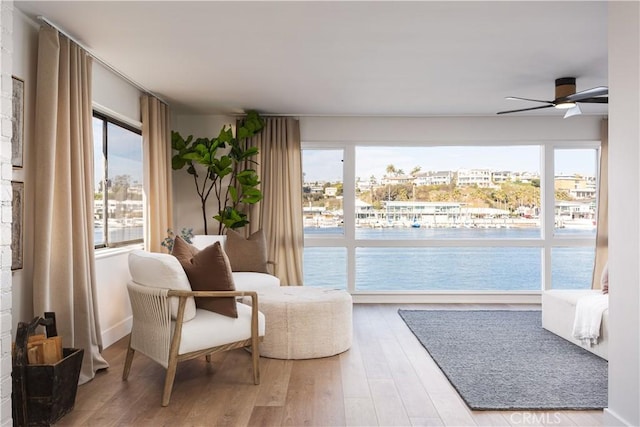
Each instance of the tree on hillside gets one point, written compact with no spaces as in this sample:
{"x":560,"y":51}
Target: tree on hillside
{"x":500,"y":198}
{"x":520,"y":194}
{"x":402,"y":194}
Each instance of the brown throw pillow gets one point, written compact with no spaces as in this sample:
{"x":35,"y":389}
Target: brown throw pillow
{"x":208,"y":270}
{"x":183,"y":250}
{"x":247,"y":254}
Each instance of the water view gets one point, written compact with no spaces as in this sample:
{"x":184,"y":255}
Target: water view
{"x":118,"y":234}
{"x":447,"y":268}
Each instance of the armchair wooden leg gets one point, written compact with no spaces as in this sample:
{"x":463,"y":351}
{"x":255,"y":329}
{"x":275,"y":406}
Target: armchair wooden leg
{"x":127,"y":364}
{"x":168,"y":381}
{"x":208,"y":357}
{"x":255,"y":357}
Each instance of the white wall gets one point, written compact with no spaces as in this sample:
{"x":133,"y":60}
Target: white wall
{"x":448,"y":129}
{"x":187,"y":212}
{"x":624,"y":219}
{"x":112,"y":273}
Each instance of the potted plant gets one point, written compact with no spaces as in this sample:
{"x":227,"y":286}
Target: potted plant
{"x":185,"y":233}
{"x":222,"y":165}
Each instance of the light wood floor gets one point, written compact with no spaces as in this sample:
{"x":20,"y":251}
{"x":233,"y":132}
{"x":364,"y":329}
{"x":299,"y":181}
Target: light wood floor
{"x":386,"y":379}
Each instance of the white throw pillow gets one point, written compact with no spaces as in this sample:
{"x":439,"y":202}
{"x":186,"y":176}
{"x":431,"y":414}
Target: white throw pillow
{"x":164,"y":271}
{"x":201,"y":241}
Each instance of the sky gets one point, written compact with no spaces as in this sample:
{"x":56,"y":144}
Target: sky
{"x":326,"y":165}
{"x":125,"y":153}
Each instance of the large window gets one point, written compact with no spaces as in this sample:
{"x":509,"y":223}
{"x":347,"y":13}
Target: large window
{"x":118,"y":204}
{"x":506,"y":218}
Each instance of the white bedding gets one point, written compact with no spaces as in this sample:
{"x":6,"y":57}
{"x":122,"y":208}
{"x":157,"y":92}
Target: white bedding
{"x":558,"y":316}
{"x":588,"y":318}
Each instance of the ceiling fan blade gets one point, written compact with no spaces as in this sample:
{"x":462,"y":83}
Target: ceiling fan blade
{"x":515,"y":98}
{"x":589,"y":93}
{"x":525,"y":109}
{"x":602,"y":100}
{"x":573,"y":111}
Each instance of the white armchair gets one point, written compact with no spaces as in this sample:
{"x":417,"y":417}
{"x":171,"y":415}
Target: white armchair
{"x":169,"y":333}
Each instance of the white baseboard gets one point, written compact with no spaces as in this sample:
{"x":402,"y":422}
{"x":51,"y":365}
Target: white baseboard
{"x":610,"y":418}
{"x":115,"y":333}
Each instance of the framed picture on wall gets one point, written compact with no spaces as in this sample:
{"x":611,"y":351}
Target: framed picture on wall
{"x":17,"y":210}
{"x":17,"y":121}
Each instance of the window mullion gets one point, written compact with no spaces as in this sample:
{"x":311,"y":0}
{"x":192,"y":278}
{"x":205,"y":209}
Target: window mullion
{"x":105,"y":184}
{"x":348,"y":205}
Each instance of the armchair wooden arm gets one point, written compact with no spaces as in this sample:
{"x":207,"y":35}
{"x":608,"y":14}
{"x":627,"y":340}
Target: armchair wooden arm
{"x":212,"y":294}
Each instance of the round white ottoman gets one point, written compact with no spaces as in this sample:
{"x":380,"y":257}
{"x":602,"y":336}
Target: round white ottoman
{"x":305,"y":323}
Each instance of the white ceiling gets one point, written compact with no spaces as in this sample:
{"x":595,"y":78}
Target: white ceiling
{"x":344,"y":58}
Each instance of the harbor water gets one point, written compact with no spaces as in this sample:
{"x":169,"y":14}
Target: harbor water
{"x":450,"y":268}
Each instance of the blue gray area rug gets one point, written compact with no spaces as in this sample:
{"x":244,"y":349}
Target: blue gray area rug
{"x":505,"y":360}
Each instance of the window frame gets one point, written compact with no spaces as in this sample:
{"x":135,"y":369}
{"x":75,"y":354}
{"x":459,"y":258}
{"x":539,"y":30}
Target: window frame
{"x":545,"y":243}
{"x":106,"y":119}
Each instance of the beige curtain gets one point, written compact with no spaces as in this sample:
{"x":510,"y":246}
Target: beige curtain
{"x":64,"y":272}
{"x":156,"y":142}
{"x":602,"y":232}
{"x":279,"y":214}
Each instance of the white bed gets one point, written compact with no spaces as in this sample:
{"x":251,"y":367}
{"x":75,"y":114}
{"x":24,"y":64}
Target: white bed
{"x":558,"y":313}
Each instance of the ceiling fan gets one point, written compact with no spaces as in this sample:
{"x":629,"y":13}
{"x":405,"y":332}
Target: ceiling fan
{"x":567,"y":98}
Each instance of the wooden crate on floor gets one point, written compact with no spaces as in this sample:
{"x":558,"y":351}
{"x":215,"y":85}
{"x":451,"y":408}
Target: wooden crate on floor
{"x":43,"y":392}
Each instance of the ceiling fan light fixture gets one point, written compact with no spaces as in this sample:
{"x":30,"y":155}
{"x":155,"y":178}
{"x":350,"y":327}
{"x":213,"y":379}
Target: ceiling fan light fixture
{"x":565,"y":105}
{"x":567,"y":98}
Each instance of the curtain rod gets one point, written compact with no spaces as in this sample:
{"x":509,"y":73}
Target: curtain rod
{"x":100,"y":60}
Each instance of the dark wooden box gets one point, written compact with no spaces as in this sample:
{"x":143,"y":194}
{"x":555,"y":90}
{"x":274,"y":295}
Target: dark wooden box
{"x":42,"y":394}
{"x":51,"y":389}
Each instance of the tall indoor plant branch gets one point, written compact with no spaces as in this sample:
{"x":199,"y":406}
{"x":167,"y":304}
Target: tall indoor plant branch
{"x":211,"y":167}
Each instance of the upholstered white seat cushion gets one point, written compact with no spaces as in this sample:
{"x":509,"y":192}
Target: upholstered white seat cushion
{"x":250,"y":281}
{"x":163,"y":271}
{"x":197,"y":335}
